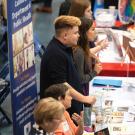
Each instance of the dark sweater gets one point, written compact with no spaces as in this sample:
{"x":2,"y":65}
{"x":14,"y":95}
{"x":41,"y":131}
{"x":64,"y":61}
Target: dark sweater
{"x":57,"y":66}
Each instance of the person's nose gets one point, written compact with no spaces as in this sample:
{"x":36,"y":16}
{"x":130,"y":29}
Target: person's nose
{"x":78,"y":35}
{"x":91,"y":13}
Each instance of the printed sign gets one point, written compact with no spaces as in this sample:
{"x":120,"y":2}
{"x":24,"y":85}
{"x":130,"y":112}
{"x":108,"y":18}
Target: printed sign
{"x":22,"y":65}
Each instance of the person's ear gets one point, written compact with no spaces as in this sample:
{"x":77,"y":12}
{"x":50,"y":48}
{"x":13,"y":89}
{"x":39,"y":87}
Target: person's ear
{"x":65,"y":35}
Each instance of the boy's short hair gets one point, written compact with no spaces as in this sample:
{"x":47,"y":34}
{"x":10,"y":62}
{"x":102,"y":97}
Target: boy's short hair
{"x":65,"y":21}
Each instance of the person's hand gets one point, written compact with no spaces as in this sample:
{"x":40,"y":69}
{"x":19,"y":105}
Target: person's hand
{"x":103,"y":44}
{"x":90,"y":99}
{"x":78,"y":119}
{"x":98,"y":68}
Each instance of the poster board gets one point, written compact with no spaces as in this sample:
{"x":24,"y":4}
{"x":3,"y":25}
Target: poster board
{"x":22,"y":65}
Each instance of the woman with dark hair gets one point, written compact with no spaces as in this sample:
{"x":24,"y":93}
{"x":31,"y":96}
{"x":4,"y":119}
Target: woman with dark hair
{"x":82,"y":8}
{"x":87,"y":64}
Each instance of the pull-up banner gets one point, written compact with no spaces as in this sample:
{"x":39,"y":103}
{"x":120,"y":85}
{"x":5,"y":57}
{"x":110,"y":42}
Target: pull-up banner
{"x":22,"y":65}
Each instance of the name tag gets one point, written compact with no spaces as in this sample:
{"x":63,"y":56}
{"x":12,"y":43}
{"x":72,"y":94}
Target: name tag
{"x":65,"y":126}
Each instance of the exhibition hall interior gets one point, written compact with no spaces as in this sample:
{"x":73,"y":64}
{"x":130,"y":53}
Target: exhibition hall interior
{"x":67,"y":67}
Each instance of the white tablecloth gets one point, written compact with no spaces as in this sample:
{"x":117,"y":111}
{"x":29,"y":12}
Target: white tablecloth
{"x":120,"y":97}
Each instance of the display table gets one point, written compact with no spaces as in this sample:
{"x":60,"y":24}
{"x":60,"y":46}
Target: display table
{"x":112,"y":57}
{"x":116,"y":69}
{"x":116,"y":106}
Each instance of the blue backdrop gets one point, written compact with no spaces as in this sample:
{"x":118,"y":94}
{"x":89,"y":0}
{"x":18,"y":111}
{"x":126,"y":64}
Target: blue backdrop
{"x":22,"y":65}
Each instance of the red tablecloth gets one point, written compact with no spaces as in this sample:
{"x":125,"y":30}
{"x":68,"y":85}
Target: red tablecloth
{"x":117,"y":69}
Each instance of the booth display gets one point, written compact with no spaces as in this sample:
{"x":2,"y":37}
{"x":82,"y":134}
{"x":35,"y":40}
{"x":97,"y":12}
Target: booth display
{"x":23,"y":87}
{"x":126,"y":10}
{"x":115,"y":106}
{"x":118,"y":58}
{"x":105,"y":17}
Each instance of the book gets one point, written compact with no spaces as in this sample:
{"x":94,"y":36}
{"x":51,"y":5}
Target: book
{"x":107,"y":82}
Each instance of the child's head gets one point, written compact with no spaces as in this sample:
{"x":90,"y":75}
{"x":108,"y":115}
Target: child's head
{"x":60,"y":92}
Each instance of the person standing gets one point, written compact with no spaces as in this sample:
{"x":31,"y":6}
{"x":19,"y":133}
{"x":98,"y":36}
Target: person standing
{"x":81,"y":8}
{"x":57,"y":64}
{"x":87,"y":63}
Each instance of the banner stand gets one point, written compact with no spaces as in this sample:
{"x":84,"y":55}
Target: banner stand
{"x":22,"y":65}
